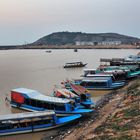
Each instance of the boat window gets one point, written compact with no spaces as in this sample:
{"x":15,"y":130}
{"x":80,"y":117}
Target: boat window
{"x":40,"y":104}
{"x":90,"y":84}
{"x":96,"y":84}
{"x":33,"y":102}
{"x":47,"y":105}
{"x":41,"y":122}
{"x":4,"y":126}
{"x":59,"y":107}
{"x":83,"y":83}
{"x":92,"y":72}
{"x":54,"y":106}
{"x":83,"y":97}
{"x":101,"y":84}
{"x":27,"y":101}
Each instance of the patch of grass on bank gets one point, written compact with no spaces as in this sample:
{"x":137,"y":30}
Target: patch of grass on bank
{"x":134,"y":85}
{"x":126,"y":118}
{"x":132,"y":112}
{"x":100,"y":129}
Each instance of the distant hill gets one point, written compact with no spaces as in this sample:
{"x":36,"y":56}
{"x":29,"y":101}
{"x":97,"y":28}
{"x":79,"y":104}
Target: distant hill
{"x":78,"y":38}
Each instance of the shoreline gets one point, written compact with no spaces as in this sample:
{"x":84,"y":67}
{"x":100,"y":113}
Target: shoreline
{"x":12,"y":47}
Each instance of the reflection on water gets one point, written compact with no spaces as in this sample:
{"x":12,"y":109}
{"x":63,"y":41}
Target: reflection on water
{"x":39,"y":70}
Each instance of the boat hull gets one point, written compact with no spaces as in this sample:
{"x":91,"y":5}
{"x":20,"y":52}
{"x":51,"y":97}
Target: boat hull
{"x":75,"y":66}
{"x":58,"y":113}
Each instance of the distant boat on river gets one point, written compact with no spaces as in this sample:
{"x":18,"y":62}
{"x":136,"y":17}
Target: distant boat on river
{"x":75,"y":50}
{"x":74,"y":64}
{"x":48,"y":51}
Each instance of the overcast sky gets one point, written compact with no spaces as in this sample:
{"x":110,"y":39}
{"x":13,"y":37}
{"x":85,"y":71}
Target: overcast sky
{"x":27,"y":20}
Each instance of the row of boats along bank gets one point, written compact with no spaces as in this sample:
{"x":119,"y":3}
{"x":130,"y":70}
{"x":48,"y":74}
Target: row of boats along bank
{"x":68,"y":103}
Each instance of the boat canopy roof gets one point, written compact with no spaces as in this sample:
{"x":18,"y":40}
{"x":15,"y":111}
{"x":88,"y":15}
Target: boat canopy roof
{"x":78,"y":89}
{"x":27,"y":115}
{"x":113,"y":71}
{"x":33,"y":94}
{"x":121,"y":67}
{"x":67,"y":93}
{"x":89,"y":69}
{"x":98,"y":79}
{"x":99,"y":75}
{"x":74,"y":63}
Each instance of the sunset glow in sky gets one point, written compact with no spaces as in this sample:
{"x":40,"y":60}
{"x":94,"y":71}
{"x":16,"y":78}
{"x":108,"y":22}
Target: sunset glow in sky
{"x":27,"y":20}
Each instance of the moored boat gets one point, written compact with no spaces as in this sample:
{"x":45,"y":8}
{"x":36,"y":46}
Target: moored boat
{"x":74,"y":64}
{"x":120,"y":73}
{"x":83,"y":93}
{"x":115,"y":74}
{"x":48,"y":51}
{"x":133,"y":58}
{"x":82,"y":99}
{"x":98,"y":82}
{"x":32,"y":122}
{"x":129,"y":71}
{"x":32,"y":100}
{"x":75,"y":50}
{"x":101,"y":83}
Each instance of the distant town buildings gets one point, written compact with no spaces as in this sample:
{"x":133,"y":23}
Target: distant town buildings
{"x":90,"y":43}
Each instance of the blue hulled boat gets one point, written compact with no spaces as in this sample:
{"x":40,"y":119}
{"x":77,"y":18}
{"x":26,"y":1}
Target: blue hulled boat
{"x":32,"y":122}
{"x":98,"y":82}
{"x":32,"y":100}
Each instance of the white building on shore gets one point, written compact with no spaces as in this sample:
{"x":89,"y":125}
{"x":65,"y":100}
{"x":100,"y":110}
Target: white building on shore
{"x":91,"y":43}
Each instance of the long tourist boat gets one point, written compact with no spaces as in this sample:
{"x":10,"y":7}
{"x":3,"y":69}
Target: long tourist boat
{"x":98,"y":82}
{"x":32,"y":100}
{"x":116,"y":74}
{"x":130,"y":71}
{"x":119,"y":73}
{"x":32,"y":122}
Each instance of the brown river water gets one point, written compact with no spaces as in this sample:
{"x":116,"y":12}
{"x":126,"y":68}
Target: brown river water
{"x":42,"y":71}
